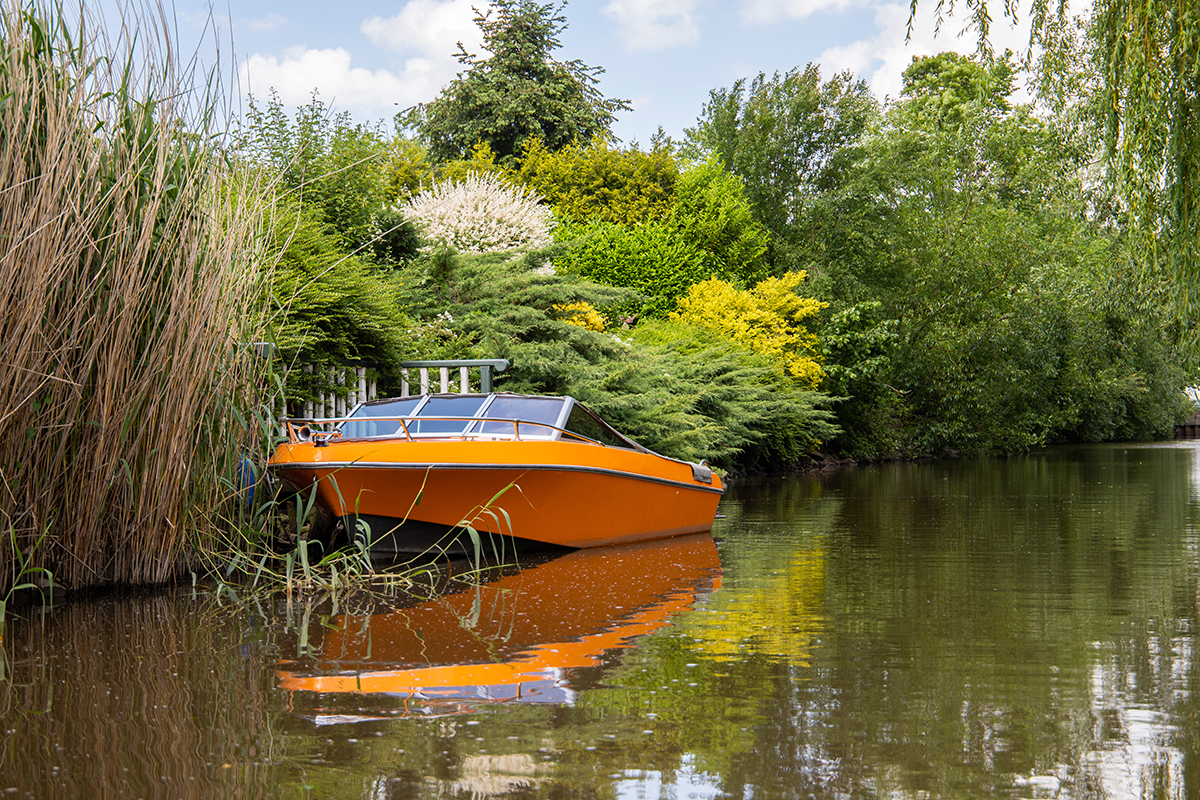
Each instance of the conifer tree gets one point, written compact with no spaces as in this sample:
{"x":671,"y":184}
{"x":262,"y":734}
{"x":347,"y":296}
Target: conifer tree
{"x":519,"y":92}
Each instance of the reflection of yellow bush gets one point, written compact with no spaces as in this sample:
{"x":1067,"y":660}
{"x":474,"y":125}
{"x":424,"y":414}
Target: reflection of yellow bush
{"x":781,"y":617}
{"x":582,"y":314}
{"x":765,"y":319}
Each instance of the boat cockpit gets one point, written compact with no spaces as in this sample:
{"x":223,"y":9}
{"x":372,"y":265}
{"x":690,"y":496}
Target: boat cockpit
{"x":498,"y":415}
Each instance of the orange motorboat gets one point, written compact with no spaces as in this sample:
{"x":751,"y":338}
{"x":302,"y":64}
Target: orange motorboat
{"x":409,"y":472}
{"x":517,"y":639}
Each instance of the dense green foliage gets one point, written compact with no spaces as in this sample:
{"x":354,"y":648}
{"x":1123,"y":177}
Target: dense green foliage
{"x":646,"y":221}
{"x":651,"y":258}
{"x":518,"y":93}
{"x":324,"y":161}
{"x":682,"y":391}
{"x":978,"y":303}
{"x":332,"y":307}
{"x":1132,"y":75}
{"x":712,"y":213}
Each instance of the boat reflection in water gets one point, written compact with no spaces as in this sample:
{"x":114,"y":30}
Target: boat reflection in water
{"x":521,"y":638}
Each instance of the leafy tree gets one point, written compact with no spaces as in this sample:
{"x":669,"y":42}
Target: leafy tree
{"x":1147,"y":67}
{"x":791,"y":138}
{"x":326,"y":161}
{"x":518,"y":93}
{"x":986,"y":335}
{"x":712,"y":213}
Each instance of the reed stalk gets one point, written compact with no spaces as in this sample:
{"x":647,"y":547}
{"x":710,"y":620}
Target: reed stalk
{"x":129,"y":281}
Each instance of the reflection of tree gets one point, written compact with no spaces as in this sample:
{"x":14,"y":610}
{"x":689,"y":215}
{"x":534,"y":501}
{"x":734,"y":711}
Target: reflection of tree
{"x":772,"y":597}
{"x":964,"y":603}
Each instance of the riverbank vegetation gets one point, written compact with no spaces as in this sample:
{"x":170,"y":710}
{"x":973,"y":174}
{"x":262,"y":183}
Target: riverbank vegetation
{"x":807,"y":270}
{"x":128,"y":275}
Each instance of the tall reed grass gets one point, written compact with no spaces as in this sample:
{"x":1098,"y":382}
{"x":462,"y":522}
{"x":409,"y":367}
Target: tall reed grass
{"x":129,"y":287}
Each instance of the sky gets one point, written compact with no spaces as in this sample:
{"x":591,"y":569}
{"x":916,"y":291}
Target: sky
{"x":372,"y":58}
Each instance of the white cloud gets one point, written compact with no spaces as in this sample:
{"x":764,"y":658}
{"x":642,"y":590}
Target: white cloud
{"x":883,"y":58}
{"x":768,"y":12}
{"x":369,"y":94}
{"x":655,"y":24}
{"x":428,"y":27}
{"x":424,"y":34}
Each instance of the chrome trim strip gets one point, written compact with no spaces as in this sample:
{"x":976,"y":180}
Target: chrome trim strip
{"x":339,"y":465}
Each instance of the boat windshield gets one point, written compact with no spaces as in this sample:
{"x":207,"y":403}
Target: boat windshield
{"x":584,"y":423}
{"x":489,"y":416}
{"x":444,"y":406}
{"x":546,"y":410}
{"x":426,"y":415}
{"x":361,"y":424}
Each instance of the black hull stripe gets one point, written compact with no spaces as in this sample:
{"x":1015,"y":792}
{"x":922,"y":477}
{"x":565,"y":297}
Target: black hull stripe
{"x":493,"y":467}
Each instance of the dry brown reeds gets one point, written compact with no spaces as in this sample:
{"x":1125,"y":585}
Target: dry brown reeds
{"x":127,"y":285}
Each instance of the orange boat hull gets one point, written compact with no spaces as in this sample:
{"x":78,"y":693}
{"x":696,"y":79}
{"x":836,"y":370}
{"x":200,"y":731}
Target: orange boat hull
{"x":554,"y":492}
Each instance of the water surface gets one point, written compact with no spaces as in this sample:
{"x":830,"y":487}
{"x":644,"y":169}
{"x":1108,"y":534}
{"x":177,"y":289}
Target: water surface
{"x":1021,"y":627}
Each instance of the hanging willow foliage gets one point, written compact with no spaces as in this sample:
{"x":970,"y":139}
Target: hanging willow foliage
{"x":1149,"y":101}
{"x":125,"y":275}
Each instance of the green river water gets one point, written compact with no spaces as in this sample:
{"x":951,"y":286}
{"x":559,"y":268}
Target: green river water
{"x":1013,"y":628}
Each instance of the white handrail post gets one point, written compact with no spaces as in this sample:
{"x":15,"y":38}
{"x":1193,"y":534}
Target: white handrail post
{"x":403,"y":382}
{"x":444,"y":379}
{"x":331,"y":402}
{"x":464,"y":381}
{"x":424,"y":380}
{"x":308,"y":404}
{"x":362,"y":385}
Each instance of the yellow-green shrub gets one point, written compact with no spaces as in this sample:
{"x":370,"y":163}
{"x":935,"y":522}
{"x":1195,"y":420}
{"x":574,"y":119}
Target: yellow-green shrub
{"x":596,"y":182}
{"x":766,"y":319}
{"x":582,"y":314}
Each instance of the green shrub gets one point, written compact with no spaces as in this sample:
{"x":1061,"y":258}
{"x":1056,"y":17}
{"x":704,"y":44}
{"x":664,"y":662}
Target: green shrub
{"x":746,"y":416}
{"x":651,"y":258}
{"x":682,"y":391}
{"x":712,"y":213}
{"x":332,"y":308}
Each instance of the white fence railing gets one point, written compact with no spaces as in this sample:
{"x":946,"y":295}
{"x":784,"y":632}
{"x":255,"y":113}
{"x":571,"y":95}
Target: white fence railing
{"x":349,"y":386}
{"x":486,"y":367}
{"x":338,"y":401}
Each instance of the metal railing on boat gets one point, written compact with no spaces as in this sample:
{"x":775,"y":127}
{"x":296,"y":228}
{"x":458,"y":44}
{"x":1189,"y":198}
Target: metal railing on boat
{"x":471,"y":428}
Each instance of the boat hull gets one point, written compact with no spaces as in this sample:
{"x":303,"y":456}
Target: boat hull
{"x":410,"y":493}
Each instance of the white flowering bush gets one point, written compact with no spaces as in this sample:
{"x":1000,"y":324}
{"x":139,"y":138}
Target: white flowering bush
{"x":481,"y":214}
